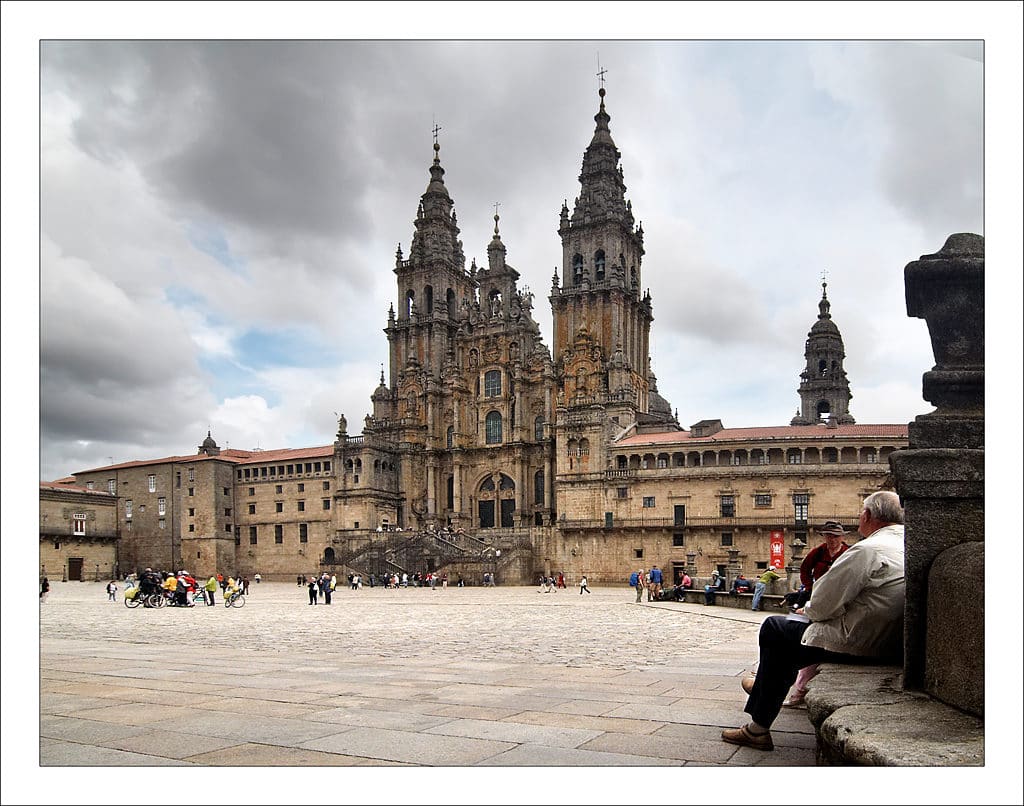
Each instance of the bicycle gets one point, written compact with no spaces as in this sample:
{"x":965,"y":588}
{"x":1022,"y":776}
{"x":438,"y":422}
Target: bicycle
{"x":236,"y":599}
{"x":132,"y":599}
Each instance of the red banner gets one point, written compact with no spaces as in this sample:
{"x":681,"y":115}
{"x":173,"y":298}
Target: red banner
{"x":777,"y":555}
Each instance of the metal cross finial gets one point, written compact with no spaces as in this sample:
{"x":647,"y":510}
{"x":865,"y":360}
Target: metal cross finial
{"x":436,"y":130}
{"x":496,"y":205}
{"x":600,"y":71}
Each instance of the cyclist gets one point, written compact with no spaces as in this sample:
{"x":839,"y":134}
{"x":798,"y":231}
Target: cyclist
{"x":149,"y":582}
{"x":232,"y":588}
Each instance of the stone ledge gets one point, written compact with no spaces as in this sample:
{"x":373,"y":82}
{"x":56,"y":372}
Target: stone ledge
{"x":863,"y":717}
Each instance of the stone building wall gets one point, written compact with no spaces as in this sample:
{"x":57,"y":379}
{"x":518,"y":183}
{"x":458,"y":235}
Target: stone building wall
{"x":88,"y":555}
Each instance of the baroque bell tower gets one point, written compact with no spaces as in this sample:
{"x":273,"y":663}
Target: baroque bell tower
{"x":824,"y":388}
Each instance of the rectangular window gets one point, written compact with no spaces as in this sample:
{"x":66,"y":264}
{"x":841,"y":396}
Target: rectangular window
{"x":112,"y":486}
{"x":252,"y":535}
{"x":227,"y":491}
{"x":763,"y":459}
{"x":302,"y":506}
{"x":327,"y":467}
{"x":152,"y":483}
{"x":90,"y":485}
{"x":648,"y":501}
{"x":128,"y":509}
{"x":127,"y":528}
{"x":252,"y":491}
{"x":227,"y":512}
{"x":300,"y":487}
{"x":191,"y":527}
{"x":679,"y":515}
{"x":238,"y":535}
{"x":252,"y":509}
{"x":191,"y":490}
{"x":163,"y":523}
{"x":661,"y":462}
{"x":177,"y":479}
{"x":227,"y":528}
{"x":78,"y":524}
{"x":801,"y":503}
{"x":622,"y":492}
{"x":327,"y":503}
{"x":638,"y":554}
{"x":303,"y":533}
{"x":279,"y":506}
{"x":278,"y":488}
{"x":316,"y":467}
{"x":191,"y":474}
{"x":794,"y":458}
{"x":191,"y":512}
{"x":238,"y":475}
{"x":309,"y":467}
{"x":871,"y":457}
{"x":263,"y":472}
{"x":291,"y":469}
{"x":492,"y":383}
{"x":762,"y":500}
{"x":278,"y":533}
{"x":726,"y":538}
{"x":728,"y":506}
{"x":327,"y":485}
{"x":678,"y":540}
{"x":273,"y":470}
{"x":248,"y":473}
{"x":161,"y":506}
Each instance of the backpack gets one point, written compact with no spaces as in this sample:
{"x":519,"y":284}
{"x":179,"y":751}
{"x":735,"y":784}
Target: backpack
{"x":633,"y":579}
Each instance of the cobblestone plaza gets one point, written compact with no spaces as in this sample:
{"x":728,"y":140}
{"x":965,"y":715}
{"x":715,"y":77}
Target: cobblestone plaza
{"x":454,"y":677}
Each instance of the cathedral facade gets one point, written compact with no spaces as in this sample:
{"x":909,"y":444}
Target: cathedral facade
{"x":485,"y":450}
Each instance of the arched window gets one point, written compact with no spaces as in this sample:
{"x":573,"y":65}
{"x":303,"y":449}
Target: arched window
{"x":538,"y":488}
{"x":487,"y":485}
{"x":599,"y":264}
{"x":450,"y":484}
{"x":506,"y":483}
{"x":492,"y":383}
{"x":493,"y":428}
{"x":410,"y":302}
{"x":632,"y":278}
{"x":823,"y":409}
{"x":538,"y":428}
{"x":428,"y":294}
{"x":450,"y":438}
{"x":329,"y":555}
{"x":450,"y":300}
{"x":577,"y":269}
{"x":822,"y":366}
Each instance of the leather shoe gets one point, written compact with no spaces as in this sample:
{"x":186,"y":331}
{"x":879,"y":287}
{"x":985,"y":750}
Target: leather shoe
{"x":795,"y":700}
{"x":743,"y":736}
{"x":748,"y":684}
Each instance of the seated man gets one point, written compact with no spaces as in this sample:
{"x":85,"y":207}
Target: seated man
{"x":855,"y":612}
{"x":741,"y":585}
{"x":717,"y":584}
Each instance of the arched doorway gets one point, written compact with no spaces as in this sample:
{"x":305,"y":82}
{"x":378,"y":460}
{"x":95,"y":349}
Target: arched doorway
{"x":496,"y":499}
{"x":329,"y":555}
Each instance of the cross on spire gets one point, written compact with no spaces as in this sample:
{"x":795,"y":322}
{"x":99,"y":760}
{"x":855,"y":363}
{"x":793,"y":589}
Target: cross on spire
{"x":600,"y":71}
{"x":436,"y":130}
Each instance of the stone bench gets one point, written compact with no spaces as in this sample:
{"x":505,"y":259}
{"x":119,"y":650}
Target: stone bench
{"x":770,"y":601}
{"x":863,"y":717}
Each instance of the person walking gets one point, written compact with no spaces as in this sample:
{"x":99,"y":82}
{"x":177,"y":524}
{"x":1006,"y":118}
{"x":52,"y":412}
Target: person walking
{"x":111,"y":591}
{"x":583,"y":585}
{"x":636,"y":579}
{"x":44,"y":589}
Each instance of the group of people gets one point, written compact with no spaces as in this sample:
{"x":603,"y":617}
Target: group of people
{"x":853,"y":611}
{"x":550,"y":584}
{"x":181,"y":588}
{"x":653,"y":582}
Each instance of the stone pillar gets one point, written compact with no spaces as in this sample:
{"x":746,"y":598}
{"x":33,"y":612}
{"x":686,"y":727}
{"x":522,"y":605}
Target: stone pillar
{"x":691,"y":563}
{"x":795,"y":561}
{"x":733,"y":569}
{"x":940,"y":478}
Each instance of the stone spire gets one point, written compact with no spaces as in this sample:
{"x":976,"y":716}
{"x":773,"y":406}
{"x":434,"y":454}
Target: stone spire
{"x":603,"y":192}
{"x":824,"y":389}
{"x":436,"y":238}
{"x":495,"y":249}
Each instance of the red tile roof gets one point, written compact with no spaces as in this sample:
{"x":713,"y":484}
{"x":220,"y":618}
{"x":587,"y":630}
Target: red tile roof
{"x":794,"y":433}
{"x":74,"y":488}
{"x":232,"y":455}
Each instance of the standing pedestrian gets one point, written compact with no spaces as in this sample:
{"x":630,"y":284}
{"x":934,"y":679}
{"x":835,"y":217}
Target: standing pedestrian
{"x":257,"y":577}
{"x":209,"y":589}
{"x":654,"y":588}
{"x":636,"y":579}
{"x":44,"y":589}
{"x":111,"y":591}
{"x":583,"y":585}
{"x":312,"y":590}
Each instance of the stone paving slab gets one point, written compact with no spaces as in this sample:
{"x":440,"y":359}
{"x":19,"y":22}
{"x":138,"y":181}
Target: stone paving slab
{"x":412,"y":748}
{"x":473,"y":677}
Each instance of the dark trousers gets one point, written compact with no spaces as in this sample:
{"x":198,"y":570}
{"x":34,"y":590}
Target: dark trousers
{"x":782,"y":657}
{"x":312,"y":596}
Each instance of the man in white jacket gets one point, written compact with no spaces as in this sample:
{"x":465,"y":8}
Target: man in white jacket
{"x":855,"y":612}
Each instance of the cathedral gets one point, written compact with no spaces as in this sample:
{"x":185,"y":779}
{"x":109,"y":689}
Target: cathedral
{"x":488,"y":452}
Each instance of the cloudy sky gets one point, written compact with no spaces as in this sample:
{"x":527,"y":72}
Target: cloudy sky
{"x":219,"y":219}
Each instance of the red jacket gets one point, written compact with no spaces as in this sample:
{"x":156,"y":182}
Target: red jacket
{"x":817,"y":563}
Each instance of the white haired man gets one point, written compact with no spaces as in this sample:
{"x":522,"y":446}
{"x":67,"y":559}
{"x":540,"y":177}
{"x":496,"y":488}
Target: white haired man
{"x":855,"y":612}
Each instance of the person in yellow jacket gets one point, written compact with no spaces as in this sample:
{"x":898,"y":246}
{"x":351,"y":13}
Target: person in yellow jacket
{"x":210,"y":587}
{"x":232,"y":588}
